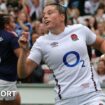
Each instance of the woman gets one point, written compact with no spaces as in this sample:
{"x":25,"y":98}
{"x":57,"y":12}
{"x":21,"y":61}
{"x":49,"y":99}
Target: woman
{"x":101,"y":70}
{"x":64,"y":50}
{"x":9,"y":51}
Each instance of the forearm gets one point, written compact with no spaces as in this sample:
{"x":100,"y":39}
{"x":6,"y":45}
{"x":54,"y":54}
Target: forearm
{"x":21,"y":66}
{"x":99,"y":44}
{"x":25,"y":28}
{"x":102,"y":48}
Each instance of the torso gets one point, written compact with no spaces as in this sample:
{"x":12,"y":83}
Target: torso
{"x":67,"y":56}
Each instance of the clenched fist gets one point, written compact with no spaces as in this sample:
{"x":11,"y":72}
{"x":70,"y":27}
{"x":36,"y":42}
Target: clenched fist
{"x":24,"y":41}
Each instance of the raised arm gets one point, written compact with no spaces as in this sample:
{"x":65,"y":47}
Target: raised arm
{"x":25,"y":66}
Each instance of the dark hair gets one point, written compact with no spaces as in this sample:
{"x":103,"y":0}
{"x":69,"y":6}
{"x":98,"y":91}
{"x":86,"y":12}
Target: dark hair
{"x":4,"y":19}
{"x":62,"y":9}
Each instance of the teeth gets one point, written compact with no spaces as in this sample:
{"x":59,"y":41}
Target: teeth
{"x":46,"y":22}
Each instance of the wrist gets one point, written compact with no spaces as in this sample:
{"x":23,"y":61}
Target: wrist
{"x":25,"y":48}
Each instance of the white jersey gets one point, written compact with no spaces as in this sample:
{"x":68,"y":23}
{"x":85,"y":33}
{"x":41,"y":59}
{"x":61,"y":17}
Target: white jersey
{"x":66,"y":54}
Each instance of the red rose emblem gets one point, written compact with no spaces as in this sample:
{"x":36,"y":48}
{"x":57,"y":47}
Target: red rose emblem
{"x":74,"y":37}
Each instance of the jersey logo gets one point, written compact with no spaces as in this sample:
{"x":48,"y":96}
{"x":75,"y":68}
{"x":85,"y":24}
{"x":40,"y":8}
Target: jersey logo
{"x":74,"y":37}
{"x":77,"y":59}
{"x":1,"y":39}
{"x":54,"y":44}
{"x":85,"y":85}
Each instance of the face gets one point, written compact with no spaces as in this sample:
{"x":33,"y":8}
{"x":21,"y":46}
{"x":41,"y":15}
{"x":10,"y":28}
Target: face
{"x":36,"y":2}
{"x":92,"y":21}
{"x":100,"y":12}
{"x":34,"y":37}
{"x":100,"y":27}
{"x":42,"y":29}
{"x":11,"y":25}
{"x":52,"y":18}
{"x":22,"y":17}
{"x":101,"y":67}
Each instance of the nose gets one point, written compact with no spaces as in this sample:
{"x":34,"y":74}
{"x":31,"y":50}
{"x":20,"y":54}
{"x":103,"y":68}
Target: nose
{"x":45,"y":16}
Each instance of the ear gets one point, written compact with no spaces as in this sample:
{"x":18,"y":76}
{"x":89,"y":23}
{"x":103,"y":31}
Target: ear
{"x":62,"y":17}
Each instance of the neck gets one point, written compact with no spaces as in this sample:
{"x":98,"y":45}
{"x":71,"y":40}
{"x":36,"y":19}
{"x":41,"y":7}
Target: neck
{"x":58,"y":30}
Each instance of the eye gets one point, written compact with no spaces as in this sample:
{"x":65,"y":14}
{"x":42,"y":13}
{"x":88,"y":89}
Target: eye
{"x":50,"y":12}
{"x":47,"y":13}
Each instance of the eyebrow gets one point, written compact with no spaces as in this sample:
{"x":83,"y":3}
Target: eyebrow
{"x":51,"y":10}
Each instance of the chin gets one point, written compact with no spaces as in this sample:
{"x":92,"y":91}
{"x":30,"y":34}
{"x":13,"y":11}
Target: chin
{"x":50,"y":27}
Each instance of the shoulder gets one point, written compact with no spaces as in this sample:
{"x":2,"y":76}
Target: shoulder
{"x":8,"y":34}
{"x":12,"y":34}
{"x":75,"y":27}
{"x":42,"y":39}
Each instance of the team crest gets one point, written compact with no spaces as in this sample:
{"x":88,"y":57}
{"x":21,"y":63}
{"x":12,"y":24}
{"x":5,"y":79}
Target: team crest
{"x":74,"y":37}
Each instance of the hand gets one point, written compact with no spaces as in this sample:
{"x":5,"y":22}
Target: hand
{"x":23,"y":40}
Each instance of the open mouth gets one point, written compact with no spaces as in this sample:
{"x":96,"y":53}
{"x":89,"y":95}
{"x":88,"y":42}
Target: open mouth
{"x":47,"y":22}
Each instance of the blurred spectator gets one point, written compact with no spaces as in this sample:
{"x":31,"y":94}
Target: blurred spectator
{"x":100,"y":16}
{"x":101,"y":32}
{"x":91,"y":6}
{"x":91,"y":23}
{"x":63,"y":2}
{"x":35,"y":9}
{"x":3,"y":6}
{"x":101,"y":29}
{"x":42,"y":29}
{"x":23,"y":24}
{"x":79,"y":4}
{"x":26,"y":8}
{"x":81,"y":7}
{"x":15,"y":4}
{"x":102,"y":2}
{"x":73,"y":14}
{"x":38,"y":30}
{"x":101,"y":70}
{"x":73,"y":4}
{"x":35,"y":25}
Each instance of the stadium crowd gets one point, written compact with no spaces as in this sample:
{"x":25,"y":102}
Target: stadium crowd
{"x":27,"y":15}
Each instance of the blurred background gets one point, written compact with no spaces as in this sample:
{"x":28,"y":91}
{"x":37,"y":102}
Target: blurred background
{"x":37,"y":89}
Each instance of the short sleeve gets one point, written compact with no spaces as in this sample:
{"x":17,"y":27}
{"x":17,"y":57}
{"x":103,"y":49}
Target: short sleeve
{"x":35,"y":53}
{"x":90,"y":36}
